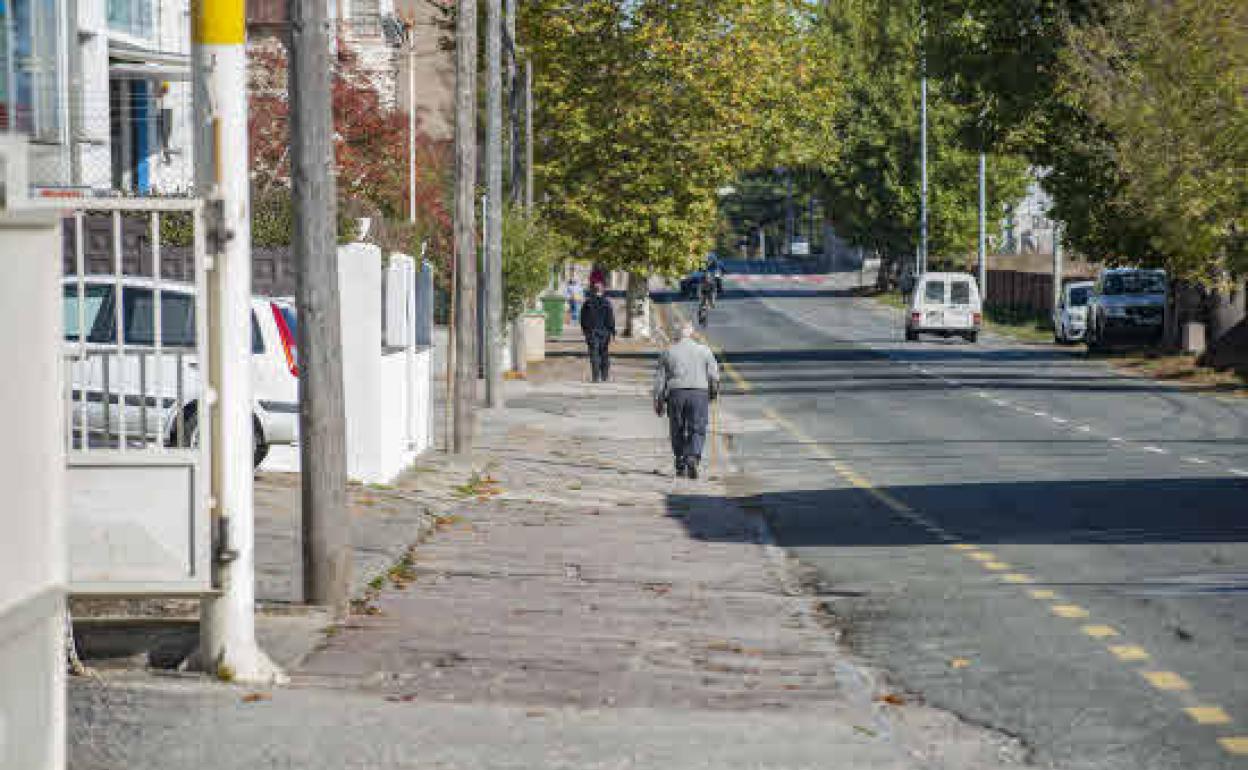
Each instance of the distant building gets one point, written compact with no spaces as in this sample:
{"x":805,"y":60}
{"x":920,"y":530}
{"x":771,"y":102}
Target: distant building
{"x":102,"y":88}
{"x":1026,"y":226}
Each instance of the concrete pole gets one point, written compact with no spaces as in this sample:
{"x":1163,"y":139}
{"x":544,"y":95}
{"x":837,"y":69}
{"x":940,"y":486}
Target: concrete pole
{"x":227,"y":619}
{"x":494,"y":222}
{"x":327,"y":557}
{"x":465,"y":313}
{"x":983,"y":228}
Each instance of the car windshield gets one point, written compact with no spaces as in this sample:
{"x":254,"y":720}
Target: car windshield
{"x":1134,"y":283}
{"x":1079,"y":296}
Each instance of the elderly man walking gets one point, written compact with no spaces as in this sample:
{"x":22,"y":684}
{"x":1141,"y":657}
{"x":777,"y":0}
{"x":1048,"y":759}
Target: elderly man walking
{"x":686,"y":380}
{"x":598,"y":326}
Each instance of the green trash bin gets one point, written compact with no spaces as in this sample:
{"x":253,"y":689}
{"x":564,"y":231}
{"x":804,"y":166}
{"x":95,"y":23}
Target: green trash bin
{"x":554,"y":307}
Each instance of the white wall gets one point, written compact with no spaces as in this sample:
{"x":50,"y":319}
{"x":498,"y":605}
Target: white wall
{"x":32,"y":466}
{"x":386,"y":390}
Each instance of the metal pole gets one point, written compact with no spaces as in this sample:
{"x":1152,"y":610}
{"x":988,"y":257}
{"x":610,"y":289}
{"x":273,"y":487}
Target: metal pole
{"x":465,"y":329}
{"x":227,"y":618}
{"x":514,"y":188}
{"x":983,"y":227}
{"x":923,"y":173}
{"x":528,"y":135}
{"x":322,"y":420}
{"x":1058,"y":267}
{"x":494,"y":223}
{"x":923,"y":142}
{"x":411,"y":129}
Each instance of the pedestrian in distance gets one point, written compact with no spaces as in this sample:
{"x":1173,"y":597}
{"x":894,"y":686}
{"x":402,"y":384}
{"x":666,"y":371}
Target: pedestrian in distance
{"x":597,"y":276}
{"x":598,"y":326}
{"x":576,"y":295}
{"x":686,"y":381}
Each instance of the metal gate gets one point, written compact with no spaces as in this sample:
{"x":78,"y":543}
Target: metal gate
{"x":135,"y":309}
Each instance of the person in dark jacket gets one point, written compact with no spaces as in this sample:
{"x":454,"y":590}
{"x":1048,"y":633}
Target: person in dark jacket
{"x":598,"y":325}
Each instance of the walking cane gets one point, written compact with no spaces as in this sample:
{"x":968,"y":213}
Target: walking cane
{"x":714,"y":436}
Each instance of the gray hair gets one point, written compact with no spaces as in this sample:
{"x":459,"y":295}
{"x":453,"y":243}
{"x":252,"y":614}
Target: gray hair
{"x":684,"y":330}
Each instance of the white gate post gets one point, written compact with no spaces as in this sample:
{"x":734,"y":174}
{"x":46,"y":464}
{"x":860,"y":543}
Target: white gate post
{"x":227,"y":620}
{"x":32,"y":475}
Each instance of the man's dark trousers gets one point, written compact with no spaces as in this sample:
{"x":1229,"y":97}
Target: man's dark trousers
{"x":599,"y":342}
{"x":687,"y":412}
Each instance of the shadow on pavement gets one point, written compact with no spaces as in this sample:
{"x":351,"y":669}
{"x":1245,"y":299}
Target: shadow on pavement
{"x":1135,"y":511}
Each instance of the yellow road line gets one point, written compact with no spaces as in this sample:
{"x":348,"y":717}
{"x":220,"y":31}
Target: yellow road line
{"x":996,"y":566}
{"x":981,"y":556}
{"x":1100,"y":632}
{"x":1018,"y":577}
{"x":1069,"y":611}
{"x":1166,"y":680}
{"x":1237,"y":745}
{"x":962,"y":547}
{"x":1042,"y":593}
{"x":1208,"y":715}
{"x":1129,"y":652}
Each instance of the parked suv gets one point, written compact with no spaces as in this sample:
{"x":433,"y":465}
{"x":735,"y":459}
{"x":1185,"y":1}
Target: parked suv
{"x":1126,"y":305}
{"x":161,"y":393}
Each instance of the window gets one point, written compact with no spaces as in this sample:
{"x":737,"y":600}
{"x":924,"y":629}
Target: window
{"x":31,"y":73}
{"x":96,"y":323}
{"x":1079,"y":296}
{"x":959,"y":293}
{"x":366,"y":17}
{"x":257,"y":341}
{"x":177,"y":318}
{"x":131,"y":17}
{"x":934,"y":291}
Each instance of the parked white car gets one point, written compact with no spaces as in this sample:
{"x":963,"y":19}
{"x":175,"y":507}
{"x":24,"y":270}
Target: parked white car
{"x":1070,"y":318}
{"x":161,"y":390}
{"x":946,"y":304}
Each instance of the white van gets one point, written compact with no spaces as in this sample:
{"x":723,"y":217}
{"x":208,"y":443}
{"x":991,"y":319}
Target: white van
{"x":947,"y":304}
{"x":1070,"y":319}
{"x":160,"y":390}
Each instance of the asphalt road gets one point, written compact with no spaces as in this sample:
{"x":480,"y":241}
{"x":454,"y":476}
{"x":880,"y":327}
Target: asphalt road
{"x":1010,"y":531}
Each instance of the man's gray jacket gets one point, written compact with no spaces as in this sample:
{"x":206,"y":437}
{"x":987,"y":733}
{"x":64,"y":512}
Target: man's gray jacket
{"x":685,"y":365}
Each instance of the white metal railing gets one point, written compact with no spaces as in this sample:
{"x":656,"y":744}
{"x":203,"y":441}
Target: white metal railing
{"x":128,"y":387}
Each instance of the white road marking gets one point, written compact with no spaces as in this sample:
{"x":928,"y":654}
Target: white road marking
{"x":1195,"y":461}
{"x":1060,"y":420}
{"x":1041,"y":414}
{"x":1155,"y":450}
{"x":1084,"y":428}
{"x":1238,"y":472}
{"x":1115,"y":439}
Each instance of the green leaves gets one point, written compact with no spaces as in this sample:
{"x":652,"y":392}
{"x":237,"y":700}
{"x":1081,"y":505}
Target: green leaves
{"x":645,"y":108}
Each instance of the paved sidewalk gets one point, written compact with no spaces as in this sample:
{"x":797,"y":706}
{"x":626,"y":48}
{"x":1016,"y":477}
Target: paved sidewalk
{"x":575,"y":607}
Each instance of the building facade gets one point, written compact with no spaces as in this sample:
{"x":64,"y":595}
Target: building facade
{"x":102,"y":88}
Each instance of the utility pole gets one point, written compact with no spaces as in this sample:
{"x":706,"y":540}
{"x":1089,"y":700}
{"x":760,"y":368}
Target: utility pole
{"x":494,"y":221}
{"x":227,"y":617}
{"x":322,"y":421}
{"x":410,"y":40}
{"x":465,"y":383}
{"x":515,"y":187}
{"x":922,"y":258}
{"x":983,"y":228}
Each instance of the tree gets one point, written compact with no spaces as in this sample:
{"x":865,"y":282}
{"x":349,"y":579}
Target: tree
{"x":1169,"y":81}
{"x":531,"y":249}
{"x":370,"y":148}
{"x":645,"y":108}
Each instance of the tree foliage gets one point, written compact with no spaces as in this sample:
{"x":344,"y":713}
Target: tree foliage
{"x":873,"y":183}
{"x":645,"y":108}
{"x":370,"y":148}
{"x":531,"y":249}
{"x":1169,"y":81}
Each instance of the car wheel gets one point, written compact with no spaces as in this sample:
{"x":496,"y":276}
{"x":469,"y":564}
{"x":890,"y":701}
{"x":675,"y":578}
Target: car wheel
{"x":1094,"y":339}
{"x":912,"y":335}
{"x":190,"y":438}
{"x":972,"y":337}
